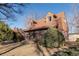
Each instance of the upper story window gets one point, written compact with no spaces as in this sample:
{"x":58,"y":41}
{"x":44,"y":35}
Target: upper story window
{"x":54,"y":16}
{"x":50,"y":18}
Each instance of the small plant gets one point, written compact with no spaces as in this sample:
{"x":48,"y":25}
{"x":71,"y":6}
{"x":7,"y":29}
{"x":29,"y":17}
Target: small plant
{"x":71,"y":51}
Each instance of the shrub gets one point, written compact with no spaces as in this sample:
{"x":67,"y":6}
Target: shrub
{"x":71,"y":51}
{"x":18,"y":37}
{"x":77,"y":40}
{"x":52,"y":38}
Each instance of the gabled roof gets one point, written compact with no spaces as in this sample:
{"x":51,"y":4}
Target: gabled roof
{"x":37,"y":25}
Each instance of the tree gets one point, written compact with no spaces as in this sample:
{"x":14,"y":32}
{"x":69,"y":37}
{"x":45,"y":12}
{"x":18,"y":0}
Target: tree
{"x":52,"y":38}
{"x":5,"y":32}
{"x":76,"y":17}
{"x":32,"y":16}
{"x":8,"y":10}
{"x":74,"y":20}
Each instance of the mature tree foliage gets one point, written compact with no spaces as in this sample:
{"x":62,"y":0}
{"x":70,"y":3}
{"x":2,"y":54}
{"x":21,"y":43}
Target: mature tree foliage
{"x":18,"y":37}
{"x":9,"y":9}
{"x":5,"y":32}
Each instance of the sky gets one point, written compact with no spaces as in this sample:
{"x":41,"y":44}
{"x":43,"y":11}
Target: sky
{"x":39,"y":10}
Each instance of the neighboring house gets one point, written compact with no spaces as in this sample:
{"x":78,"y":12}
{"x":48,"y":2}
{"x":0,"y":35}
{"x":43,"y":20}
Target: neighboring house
{"x":73,"y":36}
{"x":55,"y":20}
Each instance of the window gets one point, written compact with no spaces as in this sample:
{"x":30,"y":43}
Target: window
{"x":54,"y":16}
{"x":50,"y":18}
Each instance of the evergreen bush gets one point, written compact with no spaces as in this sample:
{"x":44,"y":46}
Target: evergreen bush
{"x":71,"y":51}
{"x":52,"y":38}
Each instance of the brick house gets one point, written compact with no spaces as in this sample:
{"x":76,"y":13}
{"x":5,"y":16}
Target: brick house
{"x":55,"y":20}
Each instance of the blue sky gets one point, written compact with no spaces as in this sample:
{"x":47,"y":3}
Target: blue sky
{"x":40,"y":10}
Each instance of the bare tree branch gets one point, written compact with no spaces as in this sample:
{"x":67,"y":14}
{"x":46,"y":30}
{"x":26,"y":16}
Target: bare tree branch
{"x":9,"y":10}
